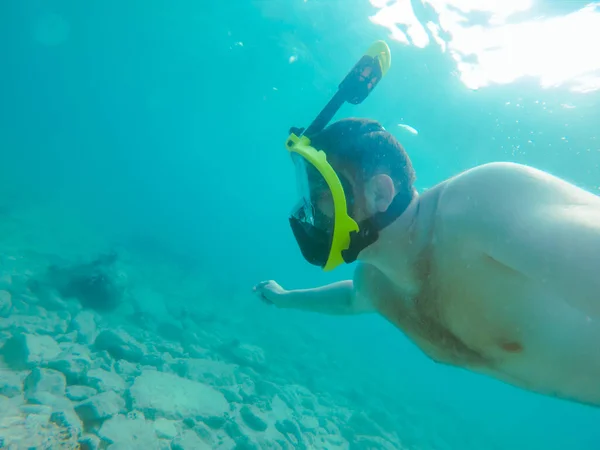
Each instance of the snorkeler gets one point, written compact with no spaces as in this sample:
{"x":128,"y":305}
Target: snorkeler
{"x":494,"y":270}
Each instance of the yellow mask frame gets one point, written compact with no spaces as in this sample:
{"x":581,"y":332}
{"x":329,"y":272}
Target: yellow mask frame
{"x":343,"y":223}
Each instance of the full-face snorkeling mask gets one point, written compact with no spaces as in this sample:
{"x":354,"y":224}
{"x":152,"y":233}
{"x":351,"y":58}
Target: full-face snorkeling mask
{"x":321,"y":222}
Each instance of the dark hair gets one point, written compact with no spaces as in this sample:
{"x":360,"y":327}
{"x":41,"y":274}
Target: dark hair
{"x":368,"y":150}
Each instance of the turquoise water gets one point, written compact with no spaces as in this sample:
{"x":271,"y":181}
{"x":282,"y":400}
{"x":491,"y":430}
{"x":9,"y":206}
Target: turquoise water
{"x":157,"y":129}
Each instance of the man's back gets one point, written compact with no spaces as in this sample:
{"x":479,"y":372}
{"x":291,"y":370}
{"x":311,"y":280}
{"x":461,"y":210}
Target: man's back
{"x":492,"y":286}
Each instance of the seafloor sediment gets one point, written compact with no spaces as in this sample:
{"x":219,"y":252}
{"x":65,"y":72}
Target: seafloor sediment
{"x":133,"y":376}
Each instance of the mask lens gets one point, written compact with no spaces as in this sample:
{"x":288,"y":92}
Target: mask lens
{"x":315,"y":206}
{"x":312,"y":218}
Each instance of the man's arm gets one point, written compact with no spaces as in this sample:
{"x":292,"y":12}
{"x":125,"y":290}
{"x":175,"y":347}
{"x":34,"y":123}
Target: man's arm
{"x":340,"y":298}
{"x":536,"y":224}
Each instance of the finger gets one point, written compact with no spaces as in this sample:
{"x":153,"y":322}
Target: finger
{"x":261,"y":285}
{"x":265,"y":299}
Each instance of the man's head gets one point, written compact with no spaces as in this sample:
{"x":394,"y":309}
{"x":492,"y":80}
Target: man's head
{"x":370,"y":162}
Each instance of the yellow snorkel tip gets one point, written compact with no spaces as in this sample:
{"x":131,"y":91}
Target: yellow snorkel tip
{"x":381,"y":51}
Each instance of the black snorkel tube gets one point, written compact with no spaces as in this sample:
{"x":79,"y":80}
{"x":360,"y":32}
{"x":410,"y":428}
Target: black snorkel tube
{"x":354,"y":88}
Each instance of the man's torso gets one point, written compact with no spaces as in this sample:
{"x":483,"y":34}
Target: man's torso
{"x":472,"y":311}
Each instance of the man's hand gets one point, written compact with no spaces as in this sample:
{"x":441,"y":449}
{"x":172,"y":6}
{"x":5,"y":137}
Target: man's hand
{"x":270,"y":292}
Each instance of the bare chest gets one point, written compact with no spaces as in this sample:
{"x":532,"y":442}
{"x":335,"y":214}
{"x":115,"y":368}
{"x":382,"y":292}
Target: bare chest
{"x":483,"y":316}
{"x":479,"y":312}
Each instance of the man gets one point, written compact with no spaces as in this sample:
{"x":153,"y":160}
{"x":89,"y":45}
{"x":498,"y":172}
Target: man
{"x":494,"y":270}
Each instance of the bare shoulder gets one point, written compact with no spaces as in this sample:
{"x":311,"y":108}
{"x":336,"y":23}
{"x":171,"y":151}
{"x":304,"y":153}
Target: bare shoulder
{"x":504,"y":189}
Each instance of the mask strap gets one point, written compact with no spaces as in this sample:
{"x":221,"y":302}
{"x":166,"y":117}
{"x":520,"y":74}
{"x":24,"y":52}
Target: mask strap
{"x":369,"y":228}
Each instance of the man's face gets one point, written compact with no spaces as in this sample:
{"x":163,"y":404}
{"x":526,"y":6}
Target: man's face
{"x":353,"y":190}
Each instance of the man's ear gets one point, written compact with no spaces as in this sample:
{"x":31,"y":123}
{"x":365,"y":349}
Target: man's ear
{"x":380,"y":192}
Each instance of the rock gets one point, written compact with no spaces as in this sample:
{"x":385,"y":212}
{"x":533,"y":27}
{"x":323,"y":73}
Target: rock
{"x":89,"y":442}
{"x":25,"y":351}
{"x":103,"y":380}
{"x":120,"y":345}
{"x":189,"y":440}
{"x":196,"y":351}
{"x":27,"y":324}
{"x":267,"y":389}
{"x":290,"y":430}
{"x":4,"y":336}
{"x":205,"y":433}
{"x":245,"y":355}
{"x":73,"y":363}
{"x":160,"y":394}
{"x":98,"y":284}
{"x":174,"y":349}
{"x":61,"y":321}
{"x":309,"y":423}
{"x":56,"y":402}
{"x":128,"y":371}
{"x":214,"y":422}
{"x":6,"y":281}
{"x":67,"y":338}
{"x":131,"y":433}
{"x":68,"y":420}
{"x":45,"y":380}
{"x":99,"y":407}
{"x":32,"y":430}
{"x":231,"y":396}
{"x":80,"y":393}
{"x":11,"y":383}
{"x":52,"y":301}
{"x":165,"y":429}
{"x":241,"y":439}
{"x":40,"y":410}
{"x":84,"y":324}
{"x":5,"y":303}
{"x":9,"y":407}
{"x":153,"y":359}
{"x":215,"y":373}
{"x":297,"y":397}
{"x":252,"y":418}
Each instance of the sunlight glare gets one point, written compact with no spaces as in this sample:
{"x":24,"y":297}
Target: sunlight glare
{"x":556,"y":50}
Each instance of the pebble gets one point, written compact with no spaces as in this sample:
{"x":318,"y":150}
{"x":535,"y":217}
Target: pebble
{"x":131,"y":433}
{"x":69,"y":420}
{"x":73,"y":365}
{"x":29,"y":350}
{"x":42,"y":410}
{"x":5,"y":303}
{"x":252,"y":419}
{"x":246,"y":355}
{"x":45,"y":380}
{"x":80,"y":393}
{"x":189,"y":440}
{"x":215,"y":373}
{"x":11,"y":383}
{"x":101,"y":406}
{"x":160,"y":394}
{"x":165,"y":429}
{"x":103,"y":380}
{"x":89,"y":442}
{"x":84,"y":324}
{"x":120,"y":345}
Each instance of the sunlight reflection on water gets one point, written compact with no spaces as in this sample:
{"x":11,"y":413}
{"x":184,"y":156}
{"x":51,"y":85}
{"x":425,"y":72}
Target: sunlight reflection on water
{"x":502,"y":46}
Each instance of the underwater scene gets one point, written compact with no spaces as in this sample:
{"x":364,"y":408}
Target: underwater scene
{"x":300,"y":224}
